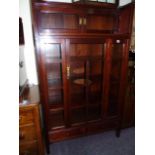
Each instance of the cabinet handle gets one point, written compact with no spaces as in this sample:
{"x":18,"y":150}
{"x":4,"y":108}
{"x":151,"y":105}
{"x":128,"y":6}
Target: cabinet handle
{"x":80,"y":21}
{"x":84,"y":21}
{"x":68,"y":72}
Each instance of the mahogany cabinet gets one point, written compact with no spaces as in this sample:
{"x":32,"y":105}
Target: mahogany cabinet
{"x":82,"y":57}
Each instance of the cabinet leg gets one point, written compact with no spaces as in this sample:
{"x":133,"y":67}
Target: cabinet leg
{"x":47,"y":147}
{"x":118,"y":131}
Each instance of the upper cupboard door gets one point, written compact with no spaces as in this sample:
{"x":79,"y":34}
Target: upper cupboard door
{"x":54,"y":20}
{"x":100,"y":21}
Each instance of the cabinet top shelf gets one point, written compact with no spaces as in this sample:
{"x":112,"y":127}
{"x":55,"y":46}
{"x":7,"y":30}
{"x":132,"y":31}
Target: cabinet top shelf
{"x":83,"y":5}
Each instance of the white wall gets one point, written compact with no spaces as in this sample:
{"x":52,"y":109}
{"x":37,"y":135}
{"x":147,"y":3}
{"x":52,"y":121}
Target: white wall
{"x":22,"y":70}
{"x":30,"y":63}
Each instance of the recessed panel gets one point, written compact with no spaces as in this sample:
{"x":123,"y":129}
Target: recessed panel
{"x":58,"y":21}
{"x":104,"y":22}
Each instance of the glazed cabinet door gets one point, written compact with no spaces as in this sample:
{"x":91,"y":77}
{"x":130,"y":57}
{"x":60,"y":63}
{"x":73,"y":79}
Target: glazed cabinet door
{"x":52,"y":20}
{"x":102,"y":23}
{"x":53,"y":79}
{"x":100,"y":20}
{"x":117,"y":76}
{"x":85,"y":67}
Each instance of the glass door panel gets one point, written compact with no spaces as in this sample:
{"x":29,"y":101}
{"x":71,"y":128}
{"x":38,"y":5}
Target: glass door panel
{"x":78,"y":115}
{"x":57,"y":119}
{"x":85,"y":59}
{"x":115,"y":76}
{"x":53,"y":60}
{"x":105,"y":23}
{"x":58,"y":21}
{"x":94,"y":113}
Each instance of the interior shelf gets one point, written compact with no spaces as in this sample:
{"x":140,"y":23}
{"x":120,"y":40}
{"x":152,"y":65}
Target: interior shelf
{"x":56,"y":107}
{"x":82,"y":82}
{"x":79,"y":70}
{"x":84,"y":58}
{"x":51,"y":60}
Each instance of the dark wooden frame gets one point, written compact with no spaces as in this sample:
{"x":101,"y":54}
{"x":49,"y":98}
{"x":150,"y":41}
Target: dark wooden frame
{"x":122,"y":32}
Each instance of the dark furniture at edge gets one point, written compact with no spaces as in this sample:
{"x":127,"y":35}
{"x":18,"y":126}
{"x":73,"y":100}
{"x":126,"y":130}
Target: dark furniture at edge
{"x":30,"y":131}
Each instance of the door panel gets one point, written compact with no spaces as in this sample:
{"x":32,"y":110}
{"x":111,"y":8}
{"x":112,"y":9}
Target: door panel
{"x":100,"y":23}
{"x":85,"y":58}
{"x":53,"y":54}
{"x":115,"y":76}
{"x":57,"y":22}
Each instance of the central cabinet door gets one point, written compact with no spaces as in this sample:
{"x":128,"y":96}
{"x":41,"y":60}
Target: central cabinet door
{"x":85,"y":67}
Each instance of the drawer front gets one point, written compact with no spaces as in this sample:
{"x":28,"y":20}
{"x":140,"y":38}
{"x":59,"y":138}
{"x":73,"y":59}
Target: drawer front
{"x":65,"y":134}
{"x":26,"y":117}
{"x":27,"y":133}
{"x":29,"y":149}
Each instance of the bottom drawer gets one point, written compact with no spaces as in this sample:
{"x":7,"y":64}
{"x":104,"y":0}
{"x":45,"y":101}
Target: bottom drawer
{"x":65,"y":134}
{"x":29,"y":149}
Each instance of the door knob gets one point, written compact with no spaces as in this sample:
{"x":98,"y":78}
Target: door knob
{"x":68,"y":72}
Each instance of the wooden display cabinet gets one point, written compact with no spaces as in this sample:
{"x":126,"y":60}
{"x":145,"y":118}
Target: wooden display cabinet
{"x":82,"y":57}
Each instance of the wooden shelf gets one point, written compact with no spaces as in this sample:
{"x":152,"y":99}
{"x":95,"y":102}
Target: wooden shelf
{"x":84,"y":58}
{"x":51,"y":60}
{"x":82,"y":82}
{"x":56,"y":107}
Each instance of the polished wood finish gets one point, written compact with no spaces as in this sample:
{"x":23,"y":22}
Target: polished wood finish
{"x":30,"y":132}
{"x":82,"y":57}
{"x":126,"y":18}
{"x":129,"y":107}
